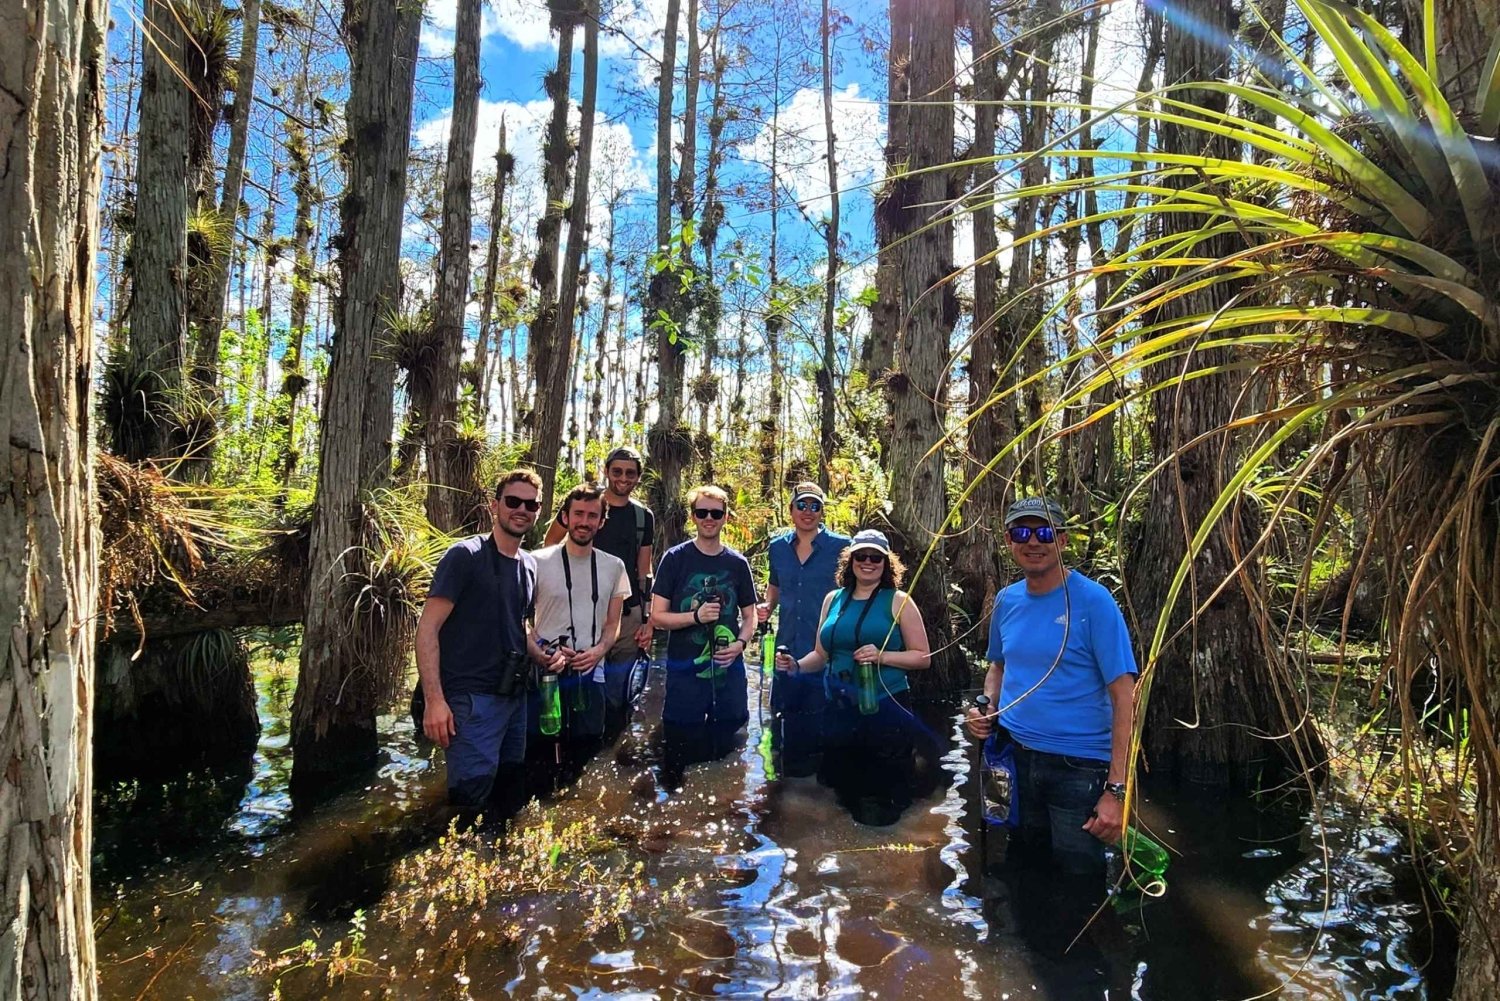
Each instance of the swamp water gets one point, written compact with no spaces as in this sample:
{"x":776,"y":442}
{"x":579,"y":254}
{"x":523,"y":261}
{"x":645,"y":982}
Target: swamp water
{"x":736,"y":887}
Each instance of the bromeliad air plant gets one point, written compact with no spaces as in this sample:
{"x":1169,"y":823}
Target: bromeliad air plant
{"x":1363,"y":266}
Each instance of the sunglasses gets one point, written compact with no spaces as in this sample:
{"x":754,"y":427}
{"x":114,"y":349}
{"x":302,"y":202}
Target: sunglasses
{"x":710,"y":513}
{"x":809,"y":505}
{"x":513,"y":502}
{"x":867,"y":556}
{"x":625,"y":473}
{"x":1021,"y":534}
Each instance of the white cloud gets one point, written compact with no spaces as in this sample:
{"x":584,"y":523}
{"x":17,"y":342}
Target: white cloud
{"x":859,"y":135}
{"x":524,"y":22}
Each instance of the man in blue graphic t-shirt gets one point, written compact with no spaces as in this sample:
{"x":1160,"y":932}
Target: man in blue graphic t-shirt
{"x":1062,"y":681}
{"x":704,"y":597}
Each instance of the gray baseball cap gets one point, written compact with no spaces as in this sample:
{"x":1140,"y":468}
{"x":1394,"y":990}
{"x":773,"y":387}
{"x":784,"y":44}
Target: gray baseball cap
{"x":1037,"y":507}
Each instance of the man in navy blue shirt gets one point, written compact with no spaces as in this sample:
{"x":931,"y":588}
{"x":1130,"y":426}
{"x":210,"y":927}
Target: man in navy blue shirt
{"x":804,"y":560}
{"x":472,"y":651}
{"x":704,"y":596}
{"x":1062,"y":679}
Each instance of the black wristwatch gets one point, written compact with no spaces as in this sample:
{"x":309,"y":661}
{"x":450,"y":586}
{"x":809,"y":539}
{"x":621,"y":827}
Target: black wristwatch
{"x":1116,"y":789}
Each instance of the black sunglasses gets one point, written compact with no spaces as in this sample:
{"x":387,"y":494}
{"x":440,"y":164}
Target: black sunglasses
{"x":625,"y":473}
{"x":809,"y":505}
{"x":867,"y":556}
{"x":711,"y":513}
{"x":1021,"y":534}
{"x":513,"y":502}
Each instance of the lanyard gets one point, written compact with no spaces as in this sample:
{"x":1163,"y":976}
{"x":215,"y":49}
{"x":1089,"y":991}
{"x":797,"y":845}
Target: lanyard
{"x":859,"y":623}
{"x":567,"y":562}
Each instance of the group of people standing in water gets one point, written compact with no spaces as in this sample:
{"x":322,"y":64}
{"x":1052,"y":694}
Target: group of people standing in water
{"x":580,"y":614}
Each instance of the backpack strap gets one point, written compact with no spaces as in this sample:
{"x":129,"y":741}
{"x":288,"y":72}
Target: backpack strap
{"x":640,"y":525}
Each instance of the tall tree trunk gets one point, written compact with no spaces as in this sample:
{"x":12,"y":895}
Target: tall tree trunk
{"x":709,"y":298}
{"x":149,"y":380}
{"x":551,"y":340}
{"x":978,"y":566}
{"x":450,"y":490}
{"x":505,"y":165}
{"x":885,"y":316}
{"x":52,"y":71}
{"x":1465,"y":31}
{"x":831,"y":240}
{"x":338,"y":688}
{"x":1212,"y":707}
{"x":602,"y":378}
{"x":769,"y":437}
{"x":915,"y":462}
{"x":670,"y":444}
{"x":558,"y":357}
{"x":216,"y":282}
{"x":1016,"y":338}
{"x":299,"y":148}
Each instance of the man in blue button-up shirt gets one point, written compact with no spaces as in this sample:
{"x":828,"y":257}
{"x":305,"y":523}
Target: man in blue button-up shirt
{"x":803,"y":561}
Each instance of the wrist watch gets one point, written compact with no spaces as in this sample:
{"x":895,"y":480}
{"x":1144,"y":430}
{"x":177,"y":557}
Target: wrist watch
{"x":1116,"y":789}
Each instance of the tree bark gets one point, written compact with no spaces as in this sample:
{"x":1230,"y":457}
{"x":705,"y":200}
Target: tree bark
{"x":505,"y":165}
{"x":450,"y":490}
{"x":914,"y":459}
{"x":831,"y":241}
{"x":558,"y":358}
{"x":1465,"y":31}
{"x":1212,"y":713}
{"x":217,"y":281}
{"x":670,"y":443}
{"x":885,"y":316}
{"x":293,"y":379}
{"x":551,"y":332}
{"x":51,"y":121}
{"x":150,"y":377}
{"x":333,"y":715}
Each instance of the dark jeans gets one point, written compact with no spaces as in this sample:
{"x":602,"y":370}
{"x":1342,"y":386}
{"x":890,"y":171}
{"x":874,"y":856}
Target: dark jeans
{"x":1058,"y":793}
{"x":868,"y":760}
{"x":490,"y":732}
{"x":797,"y":736}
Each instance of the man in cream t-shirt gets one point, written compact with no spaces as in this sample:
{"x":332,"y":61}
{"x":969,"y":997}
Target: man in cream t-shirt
{"x":579,"y":593}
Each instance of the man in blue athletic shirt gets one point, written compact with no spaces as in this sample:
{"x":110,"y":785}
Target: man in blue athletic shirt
{"x":804,"y":561}
{"x":1062,"y":680}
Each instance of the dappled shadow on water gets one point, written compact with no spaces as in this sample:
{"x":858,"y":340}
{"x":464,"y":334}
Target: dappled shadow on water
{"x":751,"y":888}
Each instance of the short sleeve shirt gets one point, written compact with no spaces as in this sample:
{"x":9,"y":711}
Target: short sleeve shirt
{"x":802,"y":585}
{"x":619,"y":537}
{"x":491,"y":593}
{"x":688,"y":577}
{"x":1060,"y":650}
{"x":575,"y":604}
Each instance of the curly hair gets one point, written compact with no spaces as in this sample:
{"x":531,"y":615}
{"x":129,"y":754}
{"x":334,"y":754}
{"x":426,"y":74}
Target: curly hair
{"x":892,"y":576}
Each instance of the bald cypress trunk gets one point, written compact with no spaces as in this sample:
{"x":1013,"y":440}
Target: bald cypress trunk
{"x":928,"y":310}
{"x":146,"y":383}
{"x":339,"y":684}
{"x":51,"y":117}
{"x":1213,"y":702}
{"x":450,"y":479}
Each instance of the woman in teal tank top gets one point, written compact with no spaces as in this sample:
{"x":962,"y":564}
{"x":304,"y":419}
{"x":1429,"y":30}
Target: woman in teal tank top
{"x":870,"y":637}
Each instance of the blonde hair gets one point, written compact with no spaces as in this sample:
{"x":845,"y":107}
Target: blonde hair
{"x":711,"y":492}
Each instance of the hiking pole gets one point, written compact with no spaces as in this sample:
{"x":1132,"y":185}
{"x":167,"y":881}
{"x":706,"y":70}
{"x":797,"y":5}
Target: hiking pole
{"x":982,"y":703}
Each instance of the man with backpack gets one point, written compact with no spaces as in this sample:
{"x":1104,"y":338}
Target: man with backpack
{"x":627,"y":534}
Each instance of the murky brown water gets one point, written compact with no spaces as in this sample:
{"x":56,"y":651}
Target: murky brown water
{"x":797,"y":899}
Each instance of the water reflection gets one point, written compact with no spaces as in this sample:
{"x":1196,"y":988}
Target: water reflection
{"x":798,"y":899}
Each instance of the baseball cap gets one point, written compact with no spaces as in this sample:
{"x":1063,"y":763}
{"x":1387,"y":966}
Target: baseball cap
{"x":807,"y":489}
{"x":1037,"y":507}
{"x":624,"y":452}
{"x":870,"y":538}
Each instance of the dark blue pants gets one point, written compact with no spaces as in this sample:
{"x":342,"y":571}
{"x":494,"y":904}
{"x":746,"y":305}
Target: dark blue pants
{"x":797,"y":739}
{"x":1058,"y":793}
{"x":491,"y":731}
{"x":868,"y":760}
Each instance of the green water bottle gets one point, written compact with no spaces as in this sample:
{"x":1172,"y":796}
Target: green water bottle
{"x":768,"y":652}
{"x":869,"y":692}
{"x":580,"y":694}
{"x":1145,"y":854}
{"x":551,"y":719}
